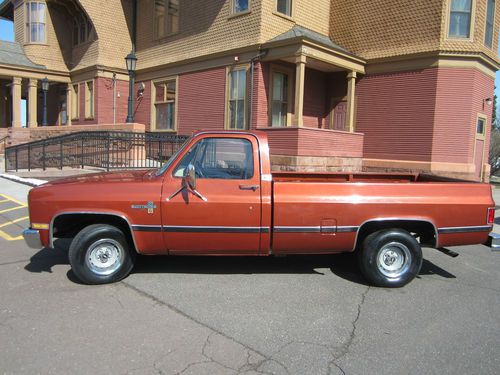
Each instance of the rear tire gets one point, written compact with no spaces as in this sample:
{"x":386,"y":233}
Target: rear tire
{"x":390,"y":258}
{"x":100,"y":254}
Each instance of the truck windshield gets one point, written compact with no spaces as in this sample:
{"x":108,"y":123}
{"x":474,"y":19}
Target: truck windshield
{"x":167,"y":164}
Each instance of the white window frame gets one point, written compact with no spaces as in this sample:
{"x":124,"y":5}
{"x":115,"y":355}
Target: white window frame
{"x":281,"y":70}
{"x":89,"y":101}
{"x":230,"y":70}
{"x":290,"y":6}
{"x":471,"y":23}
{"x":154,"y":102}
{"x":28,"y":23}
{"x":490,"y":45}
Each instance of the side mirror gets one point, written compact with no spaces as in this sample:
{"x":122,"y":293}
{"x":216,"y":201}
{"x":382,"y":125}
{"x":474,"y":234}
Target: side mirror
{"x":190,"y":176}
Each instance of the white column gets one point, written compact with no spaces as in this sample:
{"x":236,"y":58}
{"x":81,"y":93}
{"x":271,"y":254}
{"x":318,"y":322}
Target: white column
{"x":32,"y":103}
{"x":300,"y":74}
{"x":351,"y":97}
{"x":16,"y":102}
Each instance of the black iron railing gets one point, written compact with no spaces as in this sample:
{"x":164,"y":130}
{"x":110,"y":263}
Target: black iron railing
{"x":101,"y":149}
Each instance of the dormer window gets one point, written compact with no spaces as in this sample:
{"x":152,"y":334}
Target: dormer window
{"x":35,"y":22}
{"x":82,"y":30}
{"x":166,"y":18}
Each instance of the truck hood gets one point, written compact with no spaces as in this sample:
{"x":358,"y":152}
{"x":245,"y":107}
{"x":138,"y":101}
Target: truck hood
{"x":105,"y":177}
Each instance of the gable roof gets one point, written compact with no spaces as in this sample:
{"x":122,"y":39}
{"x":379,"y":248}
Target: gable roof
{"x":6,"y":10}
{"x":299,"y":32}
{"x":12,"y":53}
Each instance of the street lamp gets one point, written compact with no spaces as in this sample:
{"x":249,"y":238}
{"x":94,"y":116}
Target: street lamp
{"x":45,"y":89}
{"x":131,"y":61}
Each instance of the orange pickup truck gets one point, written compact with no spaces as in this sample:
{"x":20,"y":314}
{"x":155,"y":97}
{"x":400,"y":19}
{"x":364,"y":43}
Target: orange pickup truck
{"x":218,"y":196}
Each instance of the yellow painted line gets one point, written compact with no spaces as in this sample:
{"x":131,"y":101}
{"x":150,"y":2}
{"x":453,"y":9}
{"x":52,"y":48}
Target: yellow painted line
{"x":11,"y":209}
{"x":4,"y":200}
{"x":7,"y":237}
{"x":13,"y":200}
{"x":14,"y":221}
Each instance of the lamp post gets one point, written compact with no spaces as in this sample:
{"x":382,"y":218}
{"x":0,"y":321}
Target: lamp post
{"x":45,"y":89}
{"x":131,"y":61}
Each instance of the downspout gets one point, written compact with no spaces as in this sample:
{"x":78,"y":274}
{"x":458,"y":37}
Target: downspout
{"x":114,"y":98}
{"x":261,"y":54}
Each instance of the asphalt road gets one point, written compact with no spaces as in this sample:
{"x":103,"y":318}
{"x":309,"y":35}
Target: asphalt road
{"x":195,"y":315}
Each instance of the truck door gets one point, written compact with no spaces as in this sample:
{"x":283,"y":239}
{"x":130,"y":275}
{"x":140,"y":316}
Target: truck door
{"x":222,"y":213}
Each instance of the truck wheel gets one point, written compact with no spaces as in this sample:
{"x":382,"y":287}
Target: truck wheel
{"x":390,"y":258}
{"x":100,"y":254}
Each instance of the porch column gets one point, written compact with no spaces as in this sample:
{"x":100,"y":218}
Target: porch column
{"x":300,"y":74}
{"x":32,"y":103}
{"x":69,"y":104}
{"x":351,"y":97}
{"x":16,"y":102}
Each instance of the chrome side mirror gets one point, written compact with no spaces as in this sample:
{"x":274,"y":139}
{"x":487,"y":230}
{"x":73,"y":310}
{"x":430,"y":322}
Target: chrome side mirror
{"x":190,"y":176}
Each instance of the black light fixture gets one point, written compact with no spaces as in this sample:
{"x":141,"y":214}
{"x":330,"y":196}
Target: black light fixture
{"x":131,"y":61}
{"x":45,"y":89}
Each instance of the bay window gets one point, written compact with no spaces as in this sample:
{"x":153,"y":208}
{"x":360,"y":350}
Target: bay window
{"x":35,"y":22}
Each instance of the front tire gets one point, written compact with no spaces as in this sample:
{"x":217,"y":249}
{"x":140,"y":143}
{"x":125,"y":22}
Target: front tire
{"x":390,"y":258}
{"x":100,"y":254}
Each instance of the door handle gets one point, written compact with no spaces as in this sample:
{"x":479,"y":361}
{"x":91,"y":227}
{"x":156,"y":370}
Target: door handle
{"x":249,"y":187}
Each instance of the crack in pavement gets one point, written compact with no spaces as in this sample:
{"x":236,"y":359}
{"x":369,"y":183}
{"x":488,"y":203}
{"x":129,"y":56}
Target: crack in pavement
{"x":344,"y":349}
{"x":16,"y":262}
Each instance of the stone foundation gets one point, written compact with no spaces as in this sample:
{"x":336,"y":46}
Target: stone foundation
{"x":287,"y":163}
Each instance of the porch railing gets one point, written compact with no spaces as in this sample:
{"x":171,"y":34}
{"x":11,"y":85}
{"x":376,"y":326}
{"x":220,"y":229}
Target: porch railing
{"x":101,"y":149}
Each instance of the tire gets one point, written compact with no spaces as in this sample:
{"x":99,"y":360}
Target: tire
{"x":101,"y":254}
{"x":390,"y":258}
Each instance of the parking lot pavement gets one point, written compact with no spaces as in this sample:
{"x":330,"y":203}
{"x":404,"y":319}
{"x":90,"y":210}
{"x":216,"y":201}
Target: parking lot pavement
{"x":294,"y":315}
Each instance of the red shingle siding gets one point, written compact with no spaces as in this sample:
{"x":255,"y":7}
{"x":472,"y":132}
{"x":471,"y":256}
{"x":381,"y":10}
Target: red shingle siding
{"x":314,"y":142}
{"x":201,"y":101}
{"x":103,"y":105}
{"x":396,"y":114}
{"x":260,"y":100}
{"x":460,"y":98}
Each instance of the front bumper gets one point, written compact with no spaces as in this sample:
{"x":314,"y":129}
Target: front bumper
{"x":32,"y":238}
{"x":494,"y":241}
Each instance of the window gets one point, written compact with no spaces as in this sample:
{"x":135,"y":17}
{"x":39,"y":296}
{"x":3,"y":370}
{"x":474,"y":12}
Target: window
{"x":240,"y":6}
{"x":279,"y":99}
{"x":75,"y":100}
{"x":165,"y":98}
{"x":237,"y":98}
{"x":89,"y":99}
{"x":166,"y":17}
{"x":481,"y":126}
{"x":460,"y":18}
{"x":35,"y":22}
{"x":285,"y":7}
{"x":82,"y":31}
{"x":219,"y":158}
{"x":490,"y":17}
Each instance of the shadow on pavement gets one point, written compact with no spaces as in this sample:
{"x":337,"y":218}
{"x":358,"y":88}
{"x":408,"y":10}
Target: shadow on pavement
{"x":429,"y":268}
{"x":45,"y":259}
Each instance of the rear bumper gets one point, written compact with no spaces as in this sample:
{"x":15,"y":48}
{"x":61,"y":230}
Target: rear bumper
{"x":32,"y":238}
{"x":494,"y":241}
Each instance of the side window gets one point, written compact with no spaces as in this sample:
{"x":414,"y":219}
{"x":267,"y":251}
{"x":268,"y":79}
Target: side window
{"x":219,"y":158}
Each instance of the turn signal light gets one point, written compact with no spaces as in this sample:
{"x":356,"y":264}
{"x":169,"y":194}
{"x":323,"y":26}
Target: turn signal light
{"x":491,"y":215}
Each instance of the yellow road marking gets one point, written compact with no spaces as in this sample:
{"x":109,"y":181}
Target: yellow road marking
{"x":7,"y":237}
{"x":4,"y":200}
{"x":11,"y":209}
{"x":13,"y":200}
{"x":14,"y":221}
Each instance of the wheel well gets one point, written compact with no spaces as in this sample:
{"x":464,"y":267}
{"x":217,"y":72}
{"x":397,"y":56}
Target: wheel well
{"x":424,"y":231}
{"x":68,"y":225}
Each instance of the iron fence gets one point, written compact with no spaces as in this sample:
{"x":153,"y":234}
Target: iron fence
{"x":101,"y":149}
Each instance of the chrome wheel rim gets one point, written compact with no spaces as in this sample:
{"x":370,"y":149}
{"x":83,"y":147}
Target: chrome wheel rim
{"x":394,"y":259}
{"x":104,"y":257}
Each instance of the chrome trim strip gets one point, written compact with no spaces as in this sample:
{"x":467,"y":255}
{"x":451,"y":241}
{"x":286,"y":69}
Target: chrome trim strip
{"x":315,"y":229}
{"x":210,"y":229}
{"x":469,"y":229}
{"x":51,"y":227}
{"x":381,"y":219}
{"x":147,"y":228}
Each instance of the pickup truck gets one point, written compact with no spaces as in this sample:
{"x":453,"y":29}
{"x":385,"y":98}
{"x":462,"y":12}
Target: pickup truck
{"x":218,"y":196}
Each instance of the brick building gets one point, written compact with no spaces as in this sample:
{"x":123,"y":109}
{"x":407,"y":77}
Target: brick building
{"x":336,"y":84}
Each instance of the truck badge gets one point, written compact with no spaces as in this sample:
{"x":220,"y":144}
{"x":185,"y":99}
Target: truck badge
{"x":150,"y":206}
